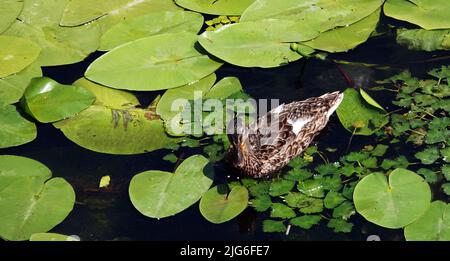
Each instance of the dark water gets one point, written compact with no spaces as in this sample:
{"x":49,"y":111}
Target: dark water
{"x":109,"y":215}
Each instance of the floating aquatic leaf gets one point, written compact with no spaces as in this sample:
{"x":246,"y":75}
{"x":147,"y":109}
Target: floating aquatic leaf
{"x":392,"y":202}
{"x":354,"y":108}
{"x":264,"y":43}
{"x":428,"y":156}
{"x":14,"y":129}
{"x":258,"y":189}
{"x":399,"y":162}
{"x":270,"y":226}
{"x":280,"y":187}
{"x":16,"y":167}
{"x":149,"y":25}
{"x":340,"y":225}
{"x":446,"y":171}
{"x":333,"y":199}
{"x":344,"y":38}
{"x":31,"y":204}
{"x":298,"y":174}
{"x":446,"y":188}
{"x":13,"y":86}
{"x":370,"y":100}
{"x":48,"y":101}
{"x":306,"y":221}
{"x":216,"y":7}
{"x":434,"y":225}
{"x":312,"y":188}
{"x":423,"y":40}
{"x":52,"y":237}
{"x":379,"y":150}
{"x":104,"y":181}
{"x":160,"y":194}
{"x":60,"y":45}
{"x":445,"y":153}
{"x":112,"y":125}
{"x":312,"y":205}
{"x":261,"y":203}
{"x":9,"y":12}
{"x":218,"y":205}
{"x":429,"y":175}
{"x":153,"y":63}
{"x":344,"y":211}
{"x":280,"y":210}
{"x":428,"y":14}
{"x":16,"y":54}
{"x":109,"y":13}
{"x":171,"y":158}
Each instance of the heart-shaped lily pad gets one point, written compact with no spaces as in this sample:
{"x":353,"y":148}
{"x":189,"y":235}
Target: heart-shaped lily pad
{"x":153,"y":63}
{"x":14,"y":167}
{"x":14,"y":129}
{"x":9,"y":12}
{"x":149,"y":25}
{"x":434,"y":225}
{"x":219,"y":205}
{"x":216,"y":7}
{"x":16,"y":54}
{"x":52,"y":237}
{"x":29,"y":202}
{"x":394,"y":201}
{"x":113,"y":124}
{"x":48,"y":101}
{"x":160,"y":194}
{"x":429,"y":14}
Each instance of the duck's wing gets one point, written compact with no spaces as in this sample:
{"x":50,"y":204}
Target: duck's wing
{"x":288,"y":129}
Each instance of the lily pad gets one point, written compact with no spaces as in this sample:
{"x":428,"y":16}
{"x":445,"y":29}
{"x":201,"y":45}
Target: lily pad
{"x":153,"y":63}
{"x":13,"y":86}
{"x":424,"y":40}
{"x":48,"y":101}
{"x":42,"y":13}
{"x":392,"y":202}
{"x":16,"y":54}
{"x":160,"y":194}
{"x":52,"y":237}
{"x":358,"y":116}
{"x":434,"y":225}
{"x":14,"y":129}
{"x":16,"y":167}
{"x":321,"y":15}
{"x":344,"y":38}
{"x":60,"y":45}
{"x":9,"y":12}
{"x":219,"y":206}
{"x":149,"y":25}
{"x":263,"y":43}
{"x":428,"y":14}
{"x":216,"y":7}
{"x":109,"y":13}
{"x":29,"y":206}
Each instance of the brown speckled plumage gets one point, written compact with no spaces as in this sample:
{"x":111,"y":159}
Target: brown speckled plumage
{"x":258,"y":154}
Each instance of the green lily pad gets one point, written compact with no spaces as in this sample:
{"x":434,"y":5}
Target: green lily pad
{"x":342,"y":39}
{"x":42,"y":13}
{"x":14,"y":129}
{"x":428,"y":14}
{"x":9,"y":12}
{"x":153,"y":63}
{"x":423,"y":40}
{"x":13,"y":86}
{"x":113,"y":125}
{"x":15,"y":167}
{"x":160,"y":194}
{"x":16,"y":54}
{"x":354,"y":109}
{"x":216,"y":7}
{"x":434,"y":225}
{"x":29,"y":206}
{"x":60,"y":45}
{"x":48,"y":101}
{"x":109,"y":13}
{"x":321,"y":15}
{"x":392,"y":202}
{"x":31,"y":202}
{"x":149,"y":25}
{"x":219,"y":206}
{"x":108,"y":97}
{"x":52,"y":237}
{"x":263,"y":43}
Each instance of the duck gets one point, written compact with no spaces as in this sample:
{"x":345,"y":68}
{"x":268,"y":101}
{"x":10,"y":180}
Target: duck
{"x":262,"y":148}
